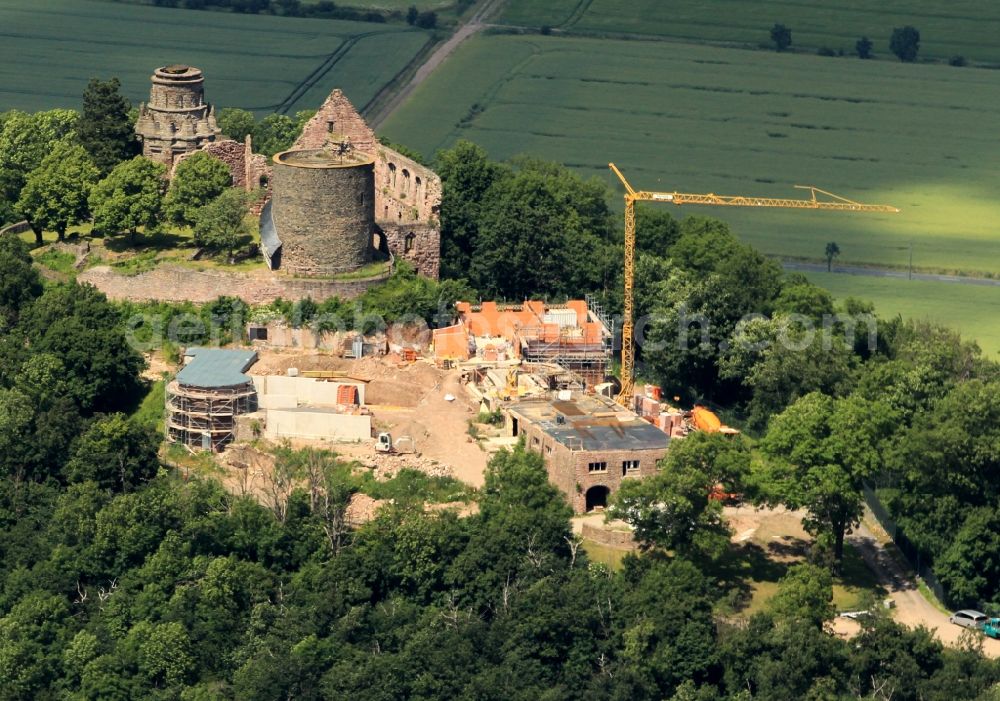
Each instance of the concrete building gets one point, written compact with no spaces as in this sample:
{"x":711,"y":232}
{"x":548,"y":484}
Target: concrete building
{"x":590,"y":445}
{"x":312,"y":409}
{"x":176,"y":120}
{"x":208,"y":395}
{"x":213,"y":401}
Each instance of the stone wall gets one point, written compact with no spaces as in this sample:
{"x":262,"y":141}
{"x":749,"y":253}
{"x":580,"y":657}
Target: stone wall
{"x":568,"y":469}
{"x":249,"y":170}
{"x":418,"y":243}
{"x":173,"y":283}
{"x":407,"y":194}
{"x":323,"y":215}
{"x":15,"y":228}
{"x":622,"y":540}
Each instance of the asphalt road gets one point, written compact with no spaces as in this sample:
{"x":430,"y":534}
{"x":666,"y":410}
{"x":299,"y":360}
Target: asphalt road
{"x":888,"y":273}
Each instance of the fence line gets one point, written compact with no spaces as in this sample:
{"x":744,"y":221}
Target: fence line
{"x":921,"y":564}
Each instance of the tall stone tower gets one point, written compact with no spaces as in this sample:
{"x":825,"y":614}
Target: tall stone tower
{"x":177,"y":119}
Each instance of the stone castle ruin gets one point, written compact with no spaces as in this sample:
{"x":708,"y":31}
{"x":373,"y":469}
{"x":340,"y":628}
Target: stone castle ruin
{"x":176,"y":120}
{"x":321,"y":217}
{"x":407,"y":203}
{"x":337,"y":200}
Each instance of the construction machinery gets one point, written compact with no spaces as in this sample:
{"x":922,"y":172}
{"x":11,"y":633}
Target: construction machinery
{"x":385,"y":444}
{"x":834,"y":203}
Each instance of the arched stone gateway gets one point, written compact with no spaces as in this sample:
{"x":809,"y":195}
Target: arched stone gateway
{"x":597,"y":497}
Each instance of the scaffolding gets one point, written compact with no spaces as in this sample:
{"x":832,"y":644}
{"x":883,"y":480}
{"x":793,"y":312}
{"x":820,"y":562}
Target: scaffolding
{"x":205,"y":418}
{"x":588,"y":361}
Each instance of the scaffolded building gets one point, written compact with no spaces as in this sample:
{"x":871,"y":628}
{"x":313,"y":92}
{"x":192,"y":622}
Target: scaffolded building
{"x":573,"y":336}
{"x":207,"y":396}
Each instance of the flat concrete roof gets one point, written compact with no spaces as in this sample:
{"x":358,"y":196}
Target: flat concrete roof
{"x":590,"y":423}
{"x":216,"y":367}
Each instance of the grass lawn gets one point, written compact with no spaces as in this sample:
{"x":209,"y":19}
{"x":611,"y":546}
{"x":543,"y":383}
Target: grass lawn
{"x":152,"y":408}
{"x":851,"y":588}
{"x":974,"y":310}
{"x":970,"y":28}
{"x":708,"y":119}
{"x":611,"y":557}
{"x":49,"y":50}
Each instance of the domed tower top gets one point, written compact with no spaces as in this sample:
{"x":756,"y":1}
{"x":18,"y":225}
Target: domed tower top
{"x":177,"y":119}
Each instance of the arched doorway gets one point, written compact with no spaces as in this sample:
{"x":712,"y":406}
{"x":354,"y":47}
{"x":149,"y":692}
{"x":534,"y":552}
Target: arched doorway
{"x":597,"y":497}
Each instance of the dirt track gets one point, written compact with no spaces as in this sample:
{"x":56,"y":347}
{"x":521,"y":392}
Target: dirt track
{"x":911,"y":608}
{"x":475,"y":24}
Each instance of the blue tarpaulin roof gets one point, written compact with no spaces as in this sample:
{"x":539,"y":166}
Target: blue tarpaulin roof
{"x":216,"y":367}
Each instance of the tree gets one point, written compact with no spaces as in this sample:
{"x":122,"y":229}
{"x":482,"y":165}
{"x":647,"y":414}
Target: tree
{"x":198,"y":180}
{"x":105,"y":129}
{"x":781,"y":36}
{"x":25,"y":141}
{"x":275,"y":133}
{"x":427,"y":19}
{"x":542,"y":231}
{"x":411,"y":15}
{"x":805,"y":595}
{"x":780,"y":360}
{"x":236,"y":123}
{"x":467,"y":174}
{"x":863,"y":47}
{"x":56,"y":193}
{"x":905,"y":43}
{"x":221,"y":225}
{"x":819,"y":453}
{"x":115,"y":452}
{"x":672,"y":510}
{"x":970,"y":568}
{"x":77,"y":325}
{"x":130,"y":197}
{"x":832,"y":251}
{"x":16,"y":414}
{"x":19,"y":284}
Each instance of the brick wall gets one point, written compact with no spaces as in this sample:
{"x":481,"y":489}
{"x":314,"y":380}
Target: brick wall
{"x":568,"y":469}
{"x":172,"y":283}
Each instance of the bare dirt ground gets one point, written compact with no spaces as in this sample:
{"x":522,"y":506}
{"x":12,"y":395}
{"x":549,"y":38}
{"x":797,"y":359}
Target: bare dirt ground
{"x":405,"y":400}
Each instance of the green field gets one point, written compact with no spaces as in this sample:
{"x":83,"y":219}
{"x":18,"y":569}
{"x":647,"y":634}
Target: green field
{"x":48,"y":51}
{"x":969,"y":28}
{"x":708,"y":119}
{"x":971,"y":309}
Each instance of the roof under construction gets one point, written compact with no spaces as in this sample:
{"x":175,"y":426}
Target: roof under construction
{"x":212,"y":368}
{"x":589,"y":423}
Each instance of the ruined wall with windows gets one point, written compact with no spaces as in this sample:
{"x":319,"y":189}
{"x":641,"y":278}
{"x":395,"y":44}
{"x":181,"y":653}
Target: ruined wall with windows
{"x":407,"y":194}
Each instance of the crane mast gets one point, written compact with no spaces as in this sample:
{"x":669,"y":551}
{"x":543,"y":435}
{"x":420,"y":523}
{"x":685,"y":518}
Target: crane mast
{"x":833,"y":203}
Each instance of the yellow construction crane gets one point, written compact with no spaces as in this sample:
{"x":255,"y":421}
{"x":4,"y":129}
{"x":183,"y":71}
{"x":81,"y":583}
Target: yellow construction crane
{"x":835,"y":203}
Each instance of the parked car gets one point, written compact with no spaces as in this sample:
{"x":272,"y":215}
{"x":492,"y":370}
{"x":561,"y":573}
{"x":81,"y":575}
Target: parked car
{"x":967,"y":618}
{"x":991,"y":629}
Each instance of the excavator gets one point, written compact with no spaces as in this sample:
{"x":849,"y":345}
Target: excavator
{"x":830,"y":202}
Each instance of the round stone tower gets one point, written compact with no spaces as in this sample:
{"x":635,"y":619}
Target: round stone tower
{"x":323,"y":210}
{"x":177,"y":119}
